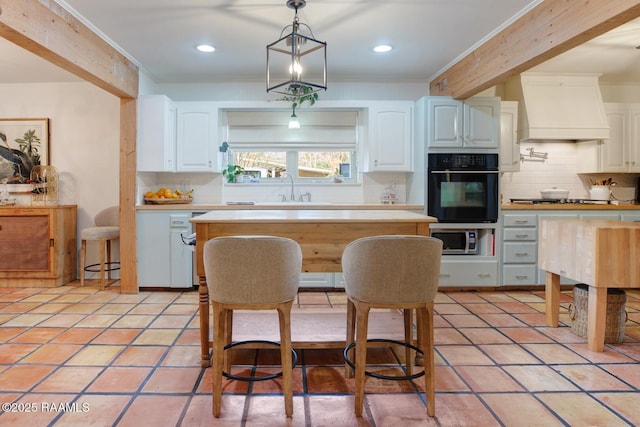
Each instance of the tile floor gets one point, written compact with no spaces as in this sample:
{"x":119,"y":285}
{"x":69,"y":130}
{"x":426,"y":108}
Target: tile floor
{"x":80,"y":356}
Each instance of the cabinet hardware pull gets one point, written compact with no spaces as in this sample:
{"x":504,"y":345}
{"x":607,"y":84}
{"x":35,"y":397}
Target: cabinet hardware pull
{"x":522,"y":277}
{"x":522,"y":236}
{"x":484,"y":275}
{"x":445,"y":275}
{"x":522,"y":253}
{"x":521,"y":221}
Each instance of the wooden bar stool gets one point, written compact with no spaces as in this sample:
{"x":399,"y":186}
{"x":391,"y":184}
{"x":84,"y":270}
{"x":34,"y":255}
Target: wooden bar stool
{"x":107,"y":229}
{"x":251,"y":273}
{"x":395,"y":272}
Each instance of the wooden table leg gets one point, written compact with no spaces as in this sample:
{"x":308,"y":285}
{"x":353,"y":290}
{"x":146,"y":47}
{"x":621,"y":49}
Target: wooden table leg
{"x":203,"y":291}
{"x":597,"y":318}
{"x":552,"y":299}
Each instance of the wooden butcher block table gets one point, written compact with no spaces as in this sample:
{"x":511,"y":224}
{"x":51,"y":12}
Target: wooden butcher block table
{"x":599,"y":253}
{"x":322,"y":235}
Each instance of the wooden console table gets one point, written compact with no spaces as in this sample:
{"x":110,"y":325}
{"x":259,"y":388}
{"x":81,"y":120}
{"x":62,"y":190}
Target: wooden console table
{"x":322,"y":235}
{"x":38,"y":245}
{"x":599,"y":253}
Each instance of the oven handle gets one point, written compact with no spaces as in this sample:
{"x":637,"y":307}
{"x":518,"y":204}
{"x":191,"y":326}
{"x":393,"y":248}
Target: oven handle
{"x":465,"y":171}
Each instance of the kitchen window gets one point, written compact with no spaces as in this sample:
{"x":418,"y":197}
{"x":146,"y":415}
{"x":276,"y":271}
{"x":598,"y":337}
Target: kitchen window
{"x":324,"y":146}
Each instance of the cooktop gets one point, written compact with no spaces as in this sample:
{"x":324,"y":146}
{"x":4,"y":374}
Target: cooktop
{"x":560,"y":201}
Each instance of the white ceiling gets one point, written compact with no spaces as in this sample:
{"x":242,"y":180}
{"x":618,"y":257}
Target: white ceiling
{"x":427,"y":35}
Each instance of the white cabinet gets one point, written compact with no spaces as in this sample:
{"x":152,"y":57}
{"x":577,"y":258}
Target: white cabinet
{"x":156,"y":148}
{"x":163,"y":259}
{"x":465,"y":270}
{"x":619,"y":153}
{"x":509,"y":142}
{"x":474,"y":123}
{"x":197,"y":138}
{"x":390,"y":137}
{"x":519,"y":249}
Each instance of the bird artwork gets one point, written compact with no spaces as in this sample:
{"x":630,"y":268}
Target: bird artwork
{"x":21,"y":161}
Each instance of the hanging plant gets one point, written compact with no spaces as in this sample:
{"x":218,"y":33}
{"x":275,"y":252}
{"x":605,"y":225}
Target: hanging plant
{"x":300,"y":94}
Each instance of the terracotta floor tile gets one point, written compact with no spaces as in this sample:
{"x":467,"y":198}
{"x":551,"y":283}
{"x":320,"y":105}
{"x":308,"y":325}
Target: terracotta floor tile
{"x":313,"y":298}
{"x":62,"y":320}
{"x":40,"y":406}
{"x":269,"y":411}
{"x":570,"y":406}
{"x":103,"y":410}
{"x":147,"y":308}
{"x":115,"y":309}
{"x":101,"y":298}
{"x":69,"y":297}
{"x":162,"y":298}
{"x":157,"y":337}
{"x":443,"y":309}
{"x":591,"y":378}
{"x":11,"y":353}
{"x":117,"y":336}
{"x":27,"y":320}
{"x":52,"y":354}
{"x":463,"y":355}
{"x":539,"y":378}
{"x":51,"y":308}
{"x":23,"y":377}
{"x":7,"y":334}
{"x":491,"y":379}
{"x":465,"y":321}
{"x":501,"y":320}
{"x":77,"y":335}
{"x":182,"y":355}
{"x":98,"y":321}
{"x":625,"y":404}
{"x":479,"y":308}
{"x":82,"y":308}
{"x":134,"y":321}
{"x":553,"y":353}
{"x":484,"y":336}
{"x":181,"y":309}
{"x":19,"y":307}
{"x":525,"y":335}
{"x":515,"y":307}
{"x":170,"y":321}
{"x":530,"y":412}
{"x":447,"y":379}
{"x":399,"y":409}
{"x":445,"y":336}
{"x":37,"y":335}
{"x":189,"y":337}
{"x":172,"y":380}
{"x":509,"y":354}
{"x":96,"y":355}
{"x":135,"y":355}
{"x":71,"y":379}
{"x":532,"y":319}
{"x":154,"y":411}
{"x":454,"y":410}
{"x":119,"y":380}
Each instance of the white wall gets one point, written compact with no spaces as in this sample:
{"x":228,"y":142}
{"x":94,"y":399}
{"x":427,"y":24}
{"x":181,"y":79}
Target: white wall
{"x":84,"y":143}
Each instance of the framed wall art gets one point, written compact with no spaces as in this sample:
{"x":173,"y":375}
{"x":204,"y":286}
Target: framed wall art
{"x":24,"y":143}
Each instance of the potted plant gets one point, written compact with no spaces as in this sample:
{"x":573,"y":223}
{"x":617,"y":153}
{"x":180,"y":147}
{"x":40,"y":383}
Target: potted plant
{"x":300,"y":94}
{"x":232,"y":171}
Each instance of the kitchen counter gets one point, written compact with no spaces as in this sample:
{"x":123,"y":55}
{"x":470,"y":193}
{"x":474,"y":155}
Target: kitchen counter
{"x":283,"y":206}
{"x":567,"y":207}
{"x":321,"y":233}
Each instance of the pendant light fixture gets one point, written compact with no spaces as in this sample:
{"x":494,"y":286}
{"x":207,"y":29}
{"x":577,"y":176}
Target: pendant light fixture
{"x":296,"y":60}
{"x":294,"y":123}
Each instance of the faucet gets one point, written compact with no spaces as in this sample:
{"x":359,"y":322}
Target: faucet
{"x":308,"y":195}
{"x":293,"y":196}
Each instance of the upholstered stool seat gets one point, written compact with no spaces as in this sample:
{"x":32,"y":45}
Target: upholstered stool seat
{"x":251,"y":273}
{"x":394,"y":272}
{"x":106,"y":230}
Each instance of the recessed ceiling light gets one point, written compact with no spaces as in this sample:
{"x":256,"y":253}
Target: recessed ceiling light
{"x":207,"y":48}
{"x":382,"y":48}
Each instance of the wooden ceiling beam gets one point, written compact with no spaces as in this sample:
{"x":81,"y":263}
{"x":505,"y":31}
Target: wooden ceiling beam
{"x":547,"y":30}
{"x":51,"y":32}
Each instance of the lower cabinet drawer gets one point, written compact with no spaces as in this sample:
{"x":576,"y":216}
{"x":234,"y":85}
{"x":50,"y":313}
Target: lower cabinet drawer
{"x":520,"y":252}
{"x":468,"y":272}
{"x":519,"y":275}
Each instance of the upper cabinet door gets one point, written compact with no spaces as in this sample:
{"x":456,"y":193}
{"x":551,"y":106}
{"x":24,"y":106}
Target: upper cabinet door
{"x":391,"y":137}
{"x":197,"y":140}
{"x":509,"y":143}
{"x":156,"y":134}
{"x":481,"y":122}
{"x":444,"y":122}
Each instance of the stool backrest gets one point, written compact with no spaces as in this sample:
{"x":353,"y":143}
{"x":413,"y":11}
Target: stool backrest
{"x":252,"y":269}
{"x":108,"y":217}
{"x":392,"y":269}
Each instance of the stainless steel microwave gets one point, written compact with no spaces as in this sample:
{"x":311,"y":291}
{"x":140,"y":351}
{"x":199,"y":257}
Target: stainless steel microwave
{"x":457,"y":241}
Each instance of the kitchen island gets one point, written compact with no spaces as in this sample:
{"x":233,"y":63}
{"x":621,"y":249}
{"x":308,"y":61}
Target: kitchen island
{"x":322,"y":235}
{"x":600,"y":253}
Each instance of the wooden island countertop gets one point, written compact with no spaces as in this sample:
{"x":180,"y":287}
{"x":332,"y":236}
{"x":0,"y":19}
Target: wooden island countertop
{"x":322,"y":235}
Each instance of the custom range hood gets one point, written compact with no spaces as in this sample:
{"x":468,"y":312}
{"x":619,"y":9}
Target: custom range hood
{"x":561,"y":107}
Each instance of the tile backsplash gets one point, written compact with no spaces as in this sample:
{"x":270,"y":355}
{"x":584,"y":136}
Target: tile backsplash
{"x":557,"y":170}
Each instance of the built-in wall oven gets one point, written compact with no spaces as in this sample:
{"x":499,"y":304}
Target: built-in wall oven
{"x":462,"y":187}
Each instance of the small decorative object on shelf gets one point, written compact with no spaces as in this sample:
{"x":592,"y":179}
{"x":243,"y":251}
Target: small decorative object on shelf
{"x":44,"y":182}
{"x":233,"y":173}
{"x":389,"y":196}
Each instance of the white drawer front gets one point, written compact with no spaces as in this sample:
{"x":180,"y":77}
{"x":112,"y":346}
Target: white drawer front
{"x":521,"y":234}
{"x":519,"y":275}
{"x":468,"y":273}
{"x":520,"y":253}
{"x":520,"y":220}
